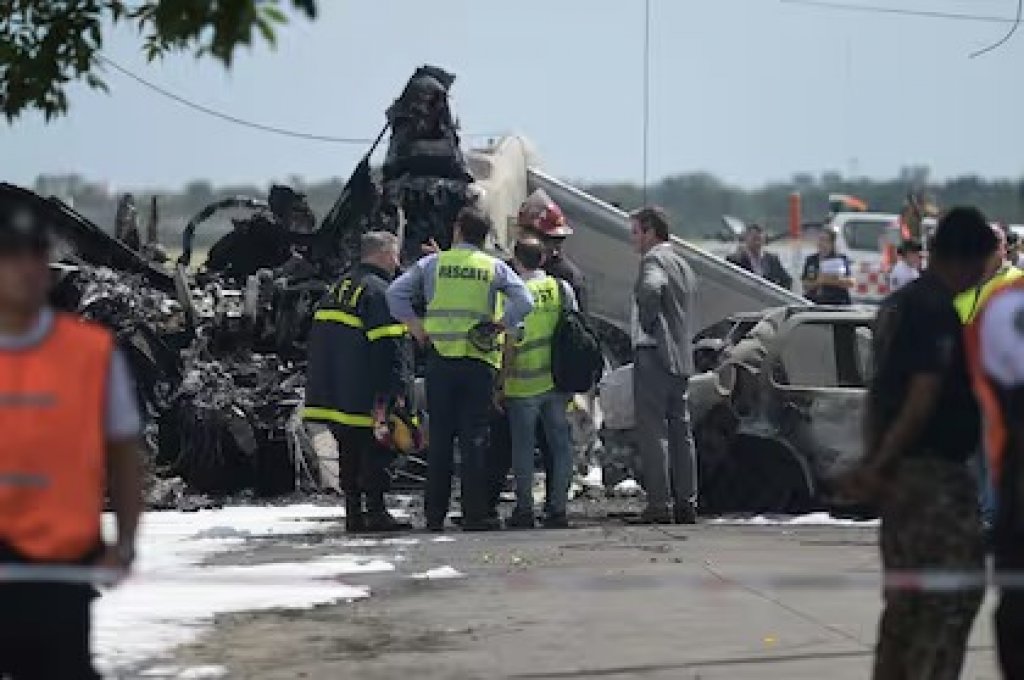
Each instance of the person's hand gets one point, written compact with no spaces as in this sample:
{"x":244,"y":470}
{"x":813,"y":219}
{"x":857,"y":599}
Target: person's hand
{"x":419,"y":334}
{"x":430,"y":247}
{"x":118,"y":559}
{"x":864,"y":484}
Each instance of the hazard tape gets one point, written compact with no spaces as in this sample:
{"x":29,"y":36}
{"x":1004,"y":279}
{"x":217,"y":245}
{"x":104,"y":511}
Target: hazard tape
{"x":713,"y":581}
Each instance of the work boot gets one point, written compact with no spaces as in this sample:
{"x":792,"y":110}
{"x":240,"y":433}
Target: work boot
{"x":384,"y":522}
{"x":684,"y":513}
{"x":521,"y":519}
{"x":355,"y":521}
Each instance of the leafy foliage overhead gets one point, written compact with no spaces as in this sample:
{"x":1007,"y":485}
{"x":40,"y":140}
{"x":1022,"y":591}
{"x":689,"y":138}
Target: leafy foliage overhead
{"x":47,"y":44}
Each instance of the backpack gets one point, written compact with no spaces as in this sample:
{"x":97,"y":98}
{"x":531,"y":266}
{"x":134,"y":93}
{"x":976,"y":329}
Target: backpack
{"x":577,"y":361}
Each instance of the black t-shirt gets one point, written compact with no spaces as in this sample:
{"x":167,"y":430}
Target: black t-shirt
{"x":917,"y":331}
{"x":834,"y":264}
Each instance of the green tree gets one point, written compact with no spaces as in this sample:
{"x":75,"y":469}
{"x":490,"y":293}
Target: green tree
{"x":47,"y":44}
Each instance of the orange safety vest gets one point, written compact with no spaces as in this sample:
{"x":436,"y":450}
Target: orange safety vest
{"x":994,"y":433}
{"x":53,"y":442}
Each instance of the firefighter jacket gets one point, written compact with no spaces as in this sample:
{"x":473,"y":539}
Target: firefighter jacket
{"x":359,"y":355}
{"x":53,"y":447}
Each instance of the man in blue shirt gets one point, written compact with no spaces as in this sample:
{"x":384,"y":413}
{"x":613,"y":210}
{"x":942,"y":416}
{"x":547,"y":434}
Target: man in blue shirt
{"x":461,"y":328}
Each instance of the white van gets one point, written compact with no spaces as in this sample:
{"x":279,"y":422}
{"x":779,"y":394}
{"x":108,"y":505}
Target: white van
{"x":863,"y":237}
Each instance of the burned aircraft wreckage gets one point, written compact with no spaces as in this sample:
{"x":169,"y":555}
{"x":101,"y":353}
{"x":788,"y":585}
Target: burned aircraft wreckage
{"x":218,"y":351}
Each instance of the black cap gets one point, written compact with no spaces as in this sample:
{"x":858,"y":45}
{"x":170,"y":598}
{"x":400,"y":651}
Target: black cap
{"x":22,"y":229}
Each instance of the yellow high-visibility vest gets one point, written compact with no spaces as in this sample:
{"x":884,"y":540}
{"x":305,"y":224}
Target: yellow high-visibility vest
{"x":530,"y":373}
{"x":462,"y":299}
{"x":969,"y":302}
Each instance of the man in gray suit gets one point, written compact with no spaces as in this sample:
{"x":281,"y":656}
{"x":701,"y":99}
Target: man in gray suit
{"x":662,"y":320}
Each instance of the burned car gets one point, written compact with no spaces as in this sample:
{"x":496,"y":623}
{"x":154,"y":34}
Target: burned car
{"x":775,"y":419}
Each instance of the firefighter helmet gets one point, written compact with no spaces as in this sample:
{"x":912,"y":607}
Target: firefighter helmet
{"x":541,"y":214}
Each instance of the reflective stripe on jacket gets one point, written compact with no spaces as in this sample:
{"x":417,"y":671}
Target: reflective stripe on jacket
{"x":53,"y":446}
{"x":462,"y":299}
{"x":358,"y":353}
{"x":993,"y":419}
{"x":530,"y":373}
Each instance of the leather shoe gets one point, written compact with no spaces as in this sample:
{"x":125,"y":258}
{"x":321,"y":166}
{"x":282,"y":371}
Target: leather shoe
{"x":384,"y":522}
{"x":685,"y":513}
{"x":484,"y":524}
{"x":521,"y":520}
{"x":559,"y":521}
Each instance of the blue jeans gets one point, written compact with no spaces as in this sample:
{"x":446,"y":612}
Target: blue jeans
{"x":986,"y":490}
{"x":523,"y":414}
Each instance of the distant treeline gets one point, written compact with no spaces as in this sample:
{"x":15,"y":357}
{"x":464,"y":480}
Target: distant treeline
{"x":696,"y":201}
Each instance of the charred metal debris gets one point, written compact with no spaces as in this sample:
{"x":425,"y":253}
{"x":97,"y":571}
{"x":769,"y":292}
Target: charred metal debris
{"x":218,"y":352}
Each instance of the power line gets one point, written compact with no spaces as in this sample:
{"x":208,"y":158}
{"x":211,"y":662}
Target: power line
{"x":240,"y":121}
{"x":876,"y":9}
{"x":647,"y":93}
{"x":1002,"y":41}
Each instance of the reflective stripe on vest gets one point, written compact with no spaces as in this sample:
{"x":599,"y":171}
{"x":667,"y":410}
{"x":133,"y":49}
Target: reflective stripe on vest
{"x":993,"y":421}
{"x":53,"y":448}
{"x":530,"y":373}
{"x":969,"y":302}
{"x":462,"y":299}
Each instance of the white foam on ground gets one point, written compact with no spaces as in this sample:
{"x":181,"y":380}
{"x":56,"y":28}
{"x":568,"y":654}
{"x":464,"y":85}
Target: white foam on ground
{"x":810,"y":519}
{"x":173,"y":599}
{"x":439,"y":573}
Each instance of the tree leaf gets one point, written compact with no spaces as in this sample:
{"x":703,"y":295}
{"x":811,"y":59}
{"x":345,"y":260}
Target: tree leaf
{"x":274,"y":13}
{"x":267,"y":31}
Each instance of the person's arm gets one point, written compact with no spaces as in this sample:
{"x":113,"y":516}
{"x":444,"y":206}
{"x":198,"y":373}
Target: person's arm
{"x":124,"y":471}
{"x":784,"y":279}
{"x":809,"y":278}
{"x":922,"y":395}
{"x":569,"y":300}
{"x":932,"y":331}
{"x":402,"y":295}
{"x":508,"y":355}
{"x":124,"y":468}
{"x":387,"y":337}
{"x":649,"y":288}
{"x":518,"y":299}
{"x":1002,"y":359}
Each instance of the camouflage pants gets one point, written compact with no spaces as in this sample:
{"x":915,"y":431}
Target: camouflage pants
{"x":929,"y":521}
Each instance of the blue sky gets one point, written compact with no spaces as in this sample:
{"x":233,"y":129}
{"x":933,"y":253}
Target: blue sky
{"x":751,"y":90}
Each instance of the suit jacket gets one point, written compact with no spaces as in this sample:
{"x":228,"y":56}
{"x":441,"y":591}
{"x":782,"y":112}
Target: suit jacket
{"x":771,"y":267}
{"x":666,"y":304}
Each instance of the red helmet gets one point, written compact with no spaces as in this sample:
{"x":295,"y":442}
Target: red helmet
{"x":540,"y":213}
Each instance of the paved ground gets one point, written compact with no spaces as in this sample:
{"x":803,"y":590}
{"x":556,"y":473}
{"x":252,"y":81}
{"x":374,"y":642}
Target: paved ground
{"x":602,"y":601}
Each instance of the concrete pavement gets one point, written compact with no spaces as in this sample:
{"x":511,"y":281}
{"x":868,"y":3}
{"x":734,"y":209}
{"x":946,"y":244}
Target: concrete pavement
{"x":606,"y":600}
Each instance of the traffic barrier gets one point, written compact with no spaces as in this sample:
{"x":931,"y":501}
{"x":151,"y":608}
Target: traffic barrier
{"x":713,"y":580}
